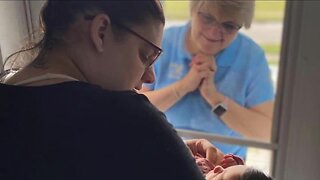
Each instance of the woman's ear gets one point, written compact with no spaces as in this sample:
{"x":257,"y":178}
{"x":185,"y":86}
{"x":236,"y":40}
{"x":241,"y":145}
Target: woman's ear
{"x":98,"y":31}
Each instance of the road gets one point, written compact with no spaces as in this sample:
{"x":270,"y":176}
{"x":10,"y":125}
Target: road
{"x":261,"y":32}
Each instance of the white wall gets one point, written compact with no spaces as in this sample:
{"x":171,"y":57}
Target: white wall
{"x":18,"y":19}
{"x":13,"y":29}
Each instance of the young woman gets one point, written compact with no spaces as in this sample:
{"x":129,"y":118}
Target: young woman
{"x":73,"y":112}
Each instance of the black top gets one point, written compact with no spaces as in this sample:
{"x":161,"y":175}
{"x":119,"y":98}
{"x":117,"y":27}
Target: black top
{"x":75,"y":130}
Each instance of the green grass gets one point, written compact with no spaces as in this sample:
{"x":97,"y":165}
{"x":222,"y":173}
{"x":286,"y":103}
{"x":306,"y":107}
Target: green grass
{"x":274,"y":51}
{"x":176,"y":10}
{"x":273,"y":62}
{"x":269,"y":10}
{"x":265,"y":10}
{"x":271,"y":48}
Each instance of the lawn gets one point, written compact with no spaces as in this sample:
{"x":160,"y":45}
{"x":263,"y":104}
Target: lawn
{"x":271,"y":48}
{"x":265,"y":10}
{"x":272,"y":52}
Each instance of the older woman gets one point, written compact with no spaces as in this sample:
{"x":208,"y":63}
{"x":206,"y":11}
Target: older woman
{"x":212,"y":78}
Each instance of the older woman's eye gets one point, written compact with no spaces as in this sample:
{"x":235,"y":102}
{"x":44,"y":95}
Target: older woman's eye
{"x":229,"y":27}
{"x":208,"y":19}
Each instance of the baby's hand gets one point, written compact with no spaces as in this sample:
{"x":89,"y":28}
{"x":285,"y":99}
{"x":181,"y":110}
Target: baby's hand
{"x":204,"y":165}
{"x":231,"y":160}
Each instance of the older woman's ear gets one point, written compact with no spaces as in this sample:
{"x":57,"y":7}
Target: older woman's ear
{"x":99,"y":28}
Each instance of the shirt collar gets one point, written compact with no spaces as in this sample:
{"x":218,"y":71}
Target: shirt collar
{"x":226,"y":57}
{"x":183,"y":53}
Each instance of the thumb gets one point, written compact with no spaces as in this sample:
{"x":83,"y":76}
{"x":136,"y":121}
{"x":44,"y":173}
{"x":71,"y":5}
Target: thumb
{"x":211,"y":155}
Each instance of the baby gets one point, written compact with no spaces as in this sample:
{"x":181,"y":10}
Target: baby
{"x":206,"y":166}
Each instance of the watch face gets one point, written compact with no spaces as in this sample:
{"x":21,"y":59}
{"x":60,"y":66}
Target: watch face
{"x":219,"y":110}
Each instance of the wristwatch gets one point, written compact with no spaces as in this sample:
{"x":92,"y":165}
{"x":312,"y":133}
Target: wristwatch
{"x":220,"y":108}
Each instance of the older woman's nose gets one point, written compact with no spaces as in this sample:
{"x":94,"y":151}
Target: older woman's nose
{"x":216,"y":31}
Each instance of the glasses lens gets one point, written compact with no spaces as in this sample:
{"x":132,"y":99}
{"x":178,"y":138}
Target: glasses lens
{"x":153,"y":57}
{"x":229,"y":28}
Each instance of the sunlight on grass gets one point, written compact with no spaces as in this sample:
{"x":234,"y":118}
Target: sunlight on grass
{"x":269,"y":10}
{"x":265,"y":10}
{"x":272,"y":52}
{"x":176,"y":10}
{"x":271,"y":48}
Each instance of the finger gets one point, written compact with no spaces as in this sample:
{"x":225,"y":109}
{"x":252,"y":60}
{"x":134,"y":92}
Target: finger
{"x":226,"y":165}
{"x":204,"y":65}
{"x":201,"y":58}
{"x":228,"y":155}
{"x":209,"y":61}
{"x":201,"y":68}
{"x":190,"y":144}
{"x":228,"y":160}
{"x":210,"y":66}
{"x":205,"y":75}
{"x":238,"y":159}
{"x":213,"y":68}
{"x":211,"y":155}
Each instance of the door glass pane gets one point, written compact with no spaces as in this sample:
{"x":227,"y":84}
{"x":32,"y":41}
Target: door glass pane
{"x":250,"y":89}
{"x":266,"y":31}
{"x":260,"y":159}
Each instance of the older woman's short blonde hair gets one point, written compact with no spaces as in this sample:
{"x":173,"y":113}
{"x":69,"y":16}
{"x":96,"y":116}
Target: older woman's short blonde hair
{"x":241,"y":8}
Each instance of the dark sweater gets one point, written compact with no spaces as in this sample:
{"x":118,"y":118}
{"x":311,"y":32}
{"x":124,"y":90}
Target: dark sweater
{"x":75,"y":130}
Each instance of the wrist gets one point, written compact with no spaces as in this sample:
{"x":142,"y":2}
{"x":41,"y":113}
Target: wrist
{"x":216,"y":98}
{"x":178,"y":89}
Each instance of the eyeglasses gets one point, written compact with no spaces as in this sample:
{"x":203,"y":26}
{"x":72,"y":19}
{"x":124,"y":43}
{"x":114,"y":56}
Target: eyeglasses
{"x":226,"y":27}
{"x":149,"y":59}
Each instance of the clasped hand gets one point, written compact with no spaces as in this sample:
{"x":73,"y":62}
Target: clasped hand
{"x":201,"y":76}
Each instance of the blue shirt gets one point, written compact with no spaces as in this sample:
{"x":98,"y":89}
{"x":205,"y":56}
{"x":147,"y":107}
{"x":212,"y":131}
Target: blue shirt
{"x":243,"y":75}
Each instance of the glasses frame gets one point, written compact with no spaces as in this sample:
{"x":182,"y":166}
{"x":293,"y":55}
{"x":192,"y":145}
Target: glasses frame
{"x":156,"y":49}
{"x":219,"y":24}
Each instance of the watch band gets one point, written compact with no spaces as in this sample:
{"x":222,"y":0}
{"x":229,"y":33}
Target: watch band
{"x":221,"y":107}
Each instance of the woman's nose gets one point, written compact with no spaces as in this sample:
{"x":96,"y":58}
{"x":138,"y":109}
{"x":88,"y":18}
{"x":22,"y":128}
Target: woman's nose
{"x":218,"y":169}
{"x":215,"y":30}
{"x":148,"y":75}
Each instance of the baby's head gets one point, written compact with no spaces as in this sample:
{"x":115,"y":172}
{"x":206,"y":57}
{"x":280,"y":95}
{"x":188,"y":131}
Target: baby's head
{"x":231,"y":167}
{"x":238,"y":172}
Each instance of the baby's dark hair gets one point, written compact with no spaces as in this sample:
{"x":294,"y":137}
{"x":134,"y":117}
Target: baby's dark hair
{"x":254,"y":174}
{"x":57,"y":15}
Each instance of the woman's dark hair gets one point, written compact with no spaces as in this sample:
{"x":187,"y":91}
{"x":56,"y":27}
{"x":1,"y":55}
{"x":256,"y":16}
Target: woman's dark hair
{"x":57,"y":16}
{"x":254,"y":174}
